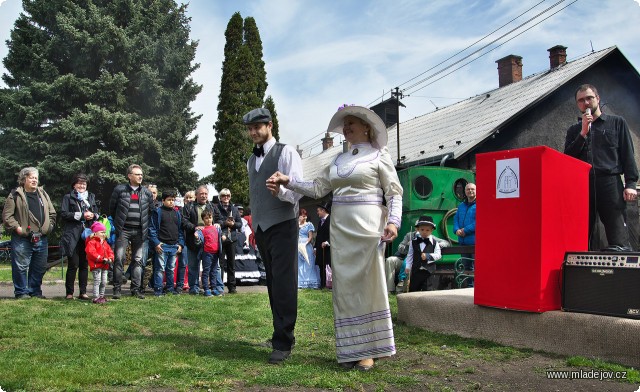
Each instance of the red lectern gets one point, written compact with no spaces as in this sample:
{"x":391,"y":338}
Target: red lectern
{"x":533,"y":206}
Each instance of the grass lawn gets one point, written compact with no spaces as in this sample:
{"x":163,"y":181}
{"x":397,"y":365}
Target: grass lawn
{"x":185,"y":343}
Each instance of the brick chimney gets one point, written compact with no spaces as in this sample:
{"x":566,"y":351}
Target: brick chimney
{"x":557,"y":56}
{"x":509,"y":70}
{"x":327,"y":141}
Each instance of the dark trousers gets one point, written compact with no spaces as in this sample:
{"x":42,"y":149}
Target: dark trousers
{"x":77,"y":261}
{"x":607,"y":200}
{"x":229,"y":264}
{"x":322,"y":264}
{"x":138,"y":252}
{"x":421,"y":280}
{"x":278,"y":247}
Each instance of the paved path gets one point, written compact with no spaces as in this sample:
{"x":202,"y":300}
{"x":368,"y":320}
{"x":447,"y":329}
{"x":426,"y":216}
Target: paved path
{"x":55,"y":289}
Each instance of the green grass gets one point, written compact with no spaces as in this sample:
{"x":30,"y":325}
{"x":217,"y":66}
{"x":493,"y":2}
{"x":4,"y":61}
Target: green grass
{"x":184,"y":343}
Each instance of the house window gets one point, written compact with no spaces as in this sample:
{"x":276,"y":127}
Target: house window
{"x":423,"y":186}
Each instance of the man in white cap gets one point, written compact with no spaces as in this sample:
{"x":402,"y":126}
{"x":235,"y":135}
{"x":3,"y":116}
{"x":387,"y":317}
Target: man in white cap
{"x":276,"y":227}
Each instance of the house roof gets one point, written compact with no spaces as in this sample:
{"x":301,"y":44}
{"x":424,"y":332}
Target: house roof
{"x":460,"y":127}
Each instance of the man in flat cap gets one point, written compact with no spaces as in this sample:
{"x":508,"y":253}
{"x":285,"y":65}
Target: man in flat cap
{"x":275,"y":226}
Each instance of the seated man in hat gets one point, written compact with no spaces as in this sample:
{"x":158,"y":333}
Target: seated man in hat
{"x":424,"y":251}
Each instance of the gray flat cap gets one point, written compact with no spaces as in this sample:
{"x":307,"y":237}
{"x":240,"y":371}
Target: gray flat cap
{"x":259,"y":115}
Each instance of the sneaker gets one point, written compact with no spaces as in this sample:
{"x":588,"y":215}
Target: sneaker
{"x":103,"y":300}
{"x":39,"y":296}
{"x":193,"y":292}
{"x":23,"y":296}
{"x":136,"y":293}
{"x":116,"y":295}
{"x":233,"y":291}
{"x":96,"y":301}
{"x":207,"y":293}
{"x":158,"y":294}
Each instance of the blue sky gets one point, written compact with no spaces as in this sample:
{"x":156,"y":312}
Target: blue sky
{"x":320,"y":55}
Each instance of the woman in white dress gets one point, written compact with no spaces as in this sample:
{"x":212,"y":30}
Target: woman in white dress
{"x":360,"y":228}
{"x":308,"y":274}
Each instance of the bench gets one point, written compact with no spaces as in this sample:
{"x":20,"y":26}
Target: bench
{"x":459,"y":273}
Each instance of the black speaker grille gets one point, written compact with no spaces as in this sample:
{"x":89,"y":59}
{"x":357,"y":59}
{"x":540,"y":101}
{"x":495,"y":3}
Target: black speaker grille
{"x":607,"y":291}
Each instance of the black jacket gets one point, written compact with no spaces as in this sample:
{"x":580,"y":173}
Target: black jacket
{"x":119,"y":207}
{"x":237,"y":221}
{"x":72,"y":224}
{"x":190,"y":221}
{"x":608,"y":148}
{"x":322,"y":235}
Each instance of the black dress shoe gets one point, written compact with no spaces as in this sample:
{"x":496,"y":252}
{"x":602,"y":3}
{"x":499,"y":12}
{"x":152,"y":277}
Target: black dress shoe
{"x":269,"y":344}
{"x":277,"y":357}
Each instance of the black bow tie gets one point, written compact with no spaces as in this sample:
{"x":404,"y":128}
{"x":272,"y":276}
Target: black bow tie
{"x":423,"y":240}
{"x":258,"y":151}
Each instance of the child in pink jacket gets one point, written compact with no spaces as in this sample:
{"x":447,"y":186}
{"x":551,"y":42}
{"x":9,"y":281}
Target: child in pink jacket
{"x":100,"y":257}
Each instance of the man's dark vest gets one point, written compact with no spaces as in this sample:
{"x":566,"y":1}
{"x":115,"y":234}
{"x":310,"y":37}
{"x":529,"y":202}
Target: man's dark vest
{"x":267,"y":210}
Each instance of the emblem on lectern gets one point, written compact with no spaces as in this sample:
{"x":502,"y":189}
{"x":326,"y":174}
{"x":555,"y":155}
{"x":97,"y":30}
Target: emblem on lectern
{"x":508,"y":181}
{"x":508,"y":178}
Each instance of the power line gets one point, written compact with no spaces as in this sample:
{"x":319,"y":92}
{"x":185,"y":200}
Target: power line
{"x":487,"y":45}
{"x":480,"y":40}
{"x":479,"y":50}
{"x":489,"y":51}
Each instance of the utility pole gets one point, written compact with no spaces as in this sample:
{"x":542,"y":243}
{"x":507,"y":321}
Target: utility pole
{"x":397,"y":94}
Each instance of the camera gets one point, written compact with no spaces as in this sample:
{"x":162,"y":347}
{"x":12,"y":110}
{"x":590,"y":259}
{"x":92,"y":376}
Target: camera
{"x":35,"y":236}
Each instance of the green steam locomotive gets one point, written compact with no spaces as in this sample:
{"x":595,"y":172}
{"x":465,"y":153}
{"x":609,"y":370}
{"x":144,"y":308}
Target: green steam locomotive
{"x":435,"y":191}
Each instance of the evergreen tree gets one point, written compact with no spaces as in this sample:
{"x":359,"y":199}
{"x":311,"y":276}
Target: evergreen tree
{"x":95,"y":86}
{"x":242,"y":89}
{"x":253,"y":41}
{"x":269,"y":104}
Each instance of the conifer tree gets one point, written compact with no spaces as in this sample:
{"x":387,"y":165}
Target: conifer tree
{"x":242,"y":89}
{"x":253,"y":41}
{"x":95,"y":86}
{"x":269,"y":104}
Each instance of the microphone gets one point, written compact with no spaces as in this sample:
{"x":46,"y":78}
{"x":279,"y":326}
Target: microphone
{"x":588,"y":113}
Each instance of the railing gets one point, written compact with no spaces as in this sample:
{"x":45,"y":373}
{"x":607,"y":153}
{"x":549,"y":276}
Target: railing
{"x":460,"y":274}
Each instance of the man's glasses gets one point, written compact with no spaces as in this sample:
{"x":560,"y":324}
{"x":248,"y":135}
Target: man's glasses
{"x":586,"y":99}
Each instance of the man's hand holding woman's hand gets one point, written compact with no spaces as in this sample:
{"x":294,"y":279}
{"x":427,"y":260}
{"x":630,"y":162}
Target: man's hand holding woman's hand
{"x":274,"y":182}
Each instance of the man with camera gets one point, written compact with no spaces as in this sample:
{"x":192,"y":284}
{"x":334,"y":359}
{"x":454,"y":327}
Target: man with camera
{"x":29,"y":216}
{"x":230,"y":223}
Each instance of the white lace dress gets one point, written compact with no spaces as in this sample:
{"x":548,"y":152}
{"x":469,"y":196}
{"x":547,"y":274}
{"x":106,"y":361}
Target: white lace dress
{"x":359,"y":182}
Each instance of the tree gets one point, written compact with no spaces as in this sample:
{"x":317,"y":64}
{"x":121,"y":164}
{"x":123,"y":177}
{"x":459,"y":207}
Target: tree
{"x":253,"y":41}
{"x":241,"y":90}
{"x":269,"y":104}
{"x":95,"y":86}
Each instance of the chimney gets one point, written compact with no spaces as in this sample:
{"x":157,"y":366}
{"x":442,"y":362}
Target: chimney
{"x":509,"y":70}
{"x":327,"y":142}
{"x":557,"y":56}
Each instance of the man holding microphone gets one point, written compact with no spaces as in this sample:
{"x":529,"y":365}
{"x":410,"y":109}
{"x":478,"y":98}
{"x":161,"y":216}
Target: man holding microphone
{"x":604,"y":141}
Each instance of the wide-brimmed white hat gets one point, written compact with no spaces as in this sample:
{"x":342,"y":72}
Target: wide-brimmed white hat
{"x":380,"y":137}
